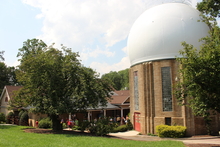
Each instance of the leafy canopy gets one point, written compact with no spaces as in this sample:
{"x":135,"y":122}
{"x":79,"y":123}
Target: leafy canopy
{"x":119,"y":80}
{"x":199,"y":78}
{"x":55,"y":82}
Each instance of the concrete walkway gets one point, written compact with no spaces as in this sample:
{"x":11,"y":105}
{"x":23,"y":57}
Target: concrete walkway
{"x":133,"y":135}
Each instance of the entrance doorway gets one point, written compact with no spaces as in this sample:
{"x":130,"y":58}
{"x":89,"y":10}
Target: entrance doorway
{"x":137,"y":122}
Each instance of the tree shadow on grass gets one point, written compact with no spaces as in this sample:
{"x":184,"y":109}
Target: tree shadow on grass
{"x":68,"y":133}
{"x":7,"y":126}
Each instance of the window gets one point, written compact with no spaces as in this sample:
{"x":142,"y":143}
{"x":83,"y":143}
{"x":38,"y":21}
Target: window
{"x":136,"y":94}
{"x":166,"y":89}
{"x":168,"y":121}
{"x":6,"y":99}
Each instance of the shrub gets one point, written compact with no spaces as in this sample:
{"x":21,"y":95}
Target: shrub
{"x":20,"y":113}
{"x":45,"y":123}
{"x":2,"y":117}
{"x":171,"y":131}
{"x":101,"y":127}
{"x":10,"y":118}
{"x":122,"y":128}
{"x":84,"y":125}
{"x":24,"y":118}
{"x":64,"y":125}
{"x":129,"y":125}
{"x":76,"y":127}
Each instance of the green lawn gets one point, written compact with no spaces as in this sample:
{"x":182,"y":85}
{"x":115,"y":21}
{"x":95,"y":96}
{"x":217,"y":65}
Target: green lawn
{"x":13,"y":136}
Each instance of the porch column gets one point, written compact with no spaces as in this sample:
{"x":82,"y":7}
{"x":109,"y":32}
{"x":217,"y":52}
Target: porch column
{"x":104,"y":113}
{"x":89,"y":116}
{"x":69,"y":116}
{"x":122,"y":115}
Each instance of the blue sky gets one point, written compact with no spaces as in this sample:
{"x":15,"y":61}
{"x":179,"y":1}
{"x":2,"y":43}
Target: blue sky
{"x":96,"y":29}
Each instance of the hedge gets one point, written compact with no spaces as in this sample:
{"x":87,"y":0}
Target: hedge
{"x":171,"y":131}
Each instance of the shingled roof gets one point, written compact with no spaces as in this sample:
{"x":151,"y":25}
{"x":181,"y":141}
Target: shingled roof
{"x":120,"y":97}
{"x":10,"y":89}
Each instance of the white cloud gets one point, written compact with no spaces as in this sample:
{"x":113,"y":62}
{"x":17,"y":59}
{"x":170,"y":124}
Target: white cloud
{"x":89,"y":27}
{"x":94,"y":53}
{"x":103,"y":68}
{"x":80,"y":22}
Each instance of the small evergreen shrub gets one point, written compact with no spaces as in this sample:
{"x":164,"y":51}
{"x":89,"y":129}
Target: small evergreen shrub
{"x":129,"y":125}
{"x":150,"y":134}
{"x":122,"y":128}
{"x":45,"y":123}
{"x":2,"y":118}
{"x":171,"y":131}
{"x":10,"y":118}
{"x":76,"y":127}
{"x":24,"y":118}
{"x":64,"y":125}
{"x":20,"y":113}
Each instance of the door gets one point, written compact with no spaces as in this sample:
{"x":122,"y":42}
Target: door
{"x":137,"y":122}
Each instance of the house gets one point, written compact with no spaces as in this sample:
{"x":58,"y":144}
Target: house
{"x":119,"y":105}
{"x":6,"y":96}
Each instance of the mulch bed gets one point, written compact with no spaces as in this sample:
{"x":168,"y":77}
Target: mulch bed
{"x":47,"y":131}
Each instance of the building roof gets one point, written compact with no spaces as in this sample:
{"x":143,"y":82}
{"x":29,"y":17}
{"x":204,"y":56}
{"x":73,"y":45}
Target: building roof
{"x":9,"y":90}
{"x":158,"y":32}
{"x":109,"y":106}
{"x":120,"y":97}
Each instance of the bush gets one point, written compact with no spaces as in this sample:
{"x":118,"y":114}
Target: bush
{"x":171,"y":131}
{"x":10,"y":118}
{"x":122,"y":128}
{"x":101,"y":127}
{"x":45,"y":123}
{"x":64,"y":125}
{"x":23,"y":118}
{"x":129,"y":125}
{"x":76,"y":127}
{"x":84,"y":125}
{"x":2,"y":118}
{"x":20,"y":113}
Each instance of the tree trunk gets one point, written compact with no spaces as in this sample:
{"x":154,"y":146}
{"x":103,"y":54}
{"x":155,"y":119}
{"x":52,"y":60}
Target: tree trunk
{"x":56,"y":125}
{"x":208,"y":124}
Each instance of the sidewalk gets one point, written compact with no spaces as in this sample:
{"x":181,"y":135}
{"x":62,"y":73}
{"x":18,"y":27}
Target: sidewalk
{"x":133,"y":135}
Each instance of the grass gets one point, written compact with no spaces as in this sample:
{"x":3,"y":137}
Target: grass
{"x":14,"y":136}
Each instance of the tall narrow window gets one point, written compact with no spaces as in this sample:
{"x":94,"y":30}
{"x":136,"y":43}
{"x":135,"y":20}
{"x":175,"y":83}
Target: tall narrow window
{"x":6,"y":99}
{"x":166,"y":89}
{"x":136,"y":94}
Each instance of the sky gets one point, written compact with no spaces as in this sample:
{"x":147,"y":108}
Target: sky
{"x":97,"y":29}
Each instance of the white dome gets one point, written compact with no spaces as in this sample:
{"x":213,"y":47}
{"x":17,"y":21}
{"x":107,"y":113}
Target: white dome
{"x":157,"y":34}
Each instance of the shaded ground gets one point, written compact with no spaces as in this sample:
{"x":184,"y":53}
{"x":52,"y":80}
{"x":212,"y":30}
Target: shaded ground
{"x":47,"y":131}
{"x":202,"y":145}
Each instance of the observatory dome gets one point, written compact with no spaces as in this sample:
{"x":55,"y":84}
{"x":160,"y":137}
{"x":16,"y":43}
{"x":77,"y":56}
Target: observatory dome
{"x":157,"y":34}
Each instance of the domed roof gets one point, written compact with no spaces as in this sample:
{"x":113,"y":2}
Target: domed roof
{"x":157,"y":34}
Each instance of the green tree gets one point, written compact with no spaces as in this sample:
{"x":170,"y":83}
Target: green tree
{"x":125,"y":78}
{"x":55,"y":82}
{"x":209,"y":7}
{"x":1,"y":55}
{"x":4,"y":78}
{"x":119,"y":80}
{"x":115,"y":79}
{"x":199,"y":78}
{"x":7,"y":76}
